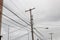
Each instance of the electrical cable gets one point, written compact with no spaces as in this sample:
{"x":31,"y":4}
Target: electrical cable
{"x":16,"y":7}
{"x":18,"y":29}
{"x":25,"y":26}
{"x":11,"y":26}
{"x":22,"y":35}
{"x":14,"y":20}
{"x":11,"y":22}
{"x":38,"y":36}
{"x":16,"y":15}
{"x":38,"y":31}
{"x":28,"y":34}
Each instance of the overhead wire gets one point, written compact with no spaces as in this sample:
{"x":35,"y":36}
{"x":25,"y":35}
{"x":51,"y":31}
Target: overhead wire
{"x":11,"y":32}
{"x":38,"y":32}
{"x":15,"y":21}
{"x":20,"y":29}
{"x":38,"y":36}
{"x":16,"y":6}
{"x":24,"y":26}
{"x":35,"y":33}
{"x":12,"y":23}
{"x":22,"y":35}
{"x":16,"y":15}
{"x":11,"y":26}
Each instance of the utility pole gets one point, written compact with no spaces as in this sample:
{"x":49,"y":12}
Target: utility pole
{"x":28,"y":35}
{"x":8,"y":33}
{"x":31,"y":21}
{"x":51,"y":35}
{"x":1,"y":3}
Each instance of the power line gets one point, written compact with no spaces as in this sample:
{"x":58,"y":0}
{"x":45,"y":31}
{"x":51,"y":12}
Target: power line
{"x":18,"y":26}
{"x":22,"y":35}
{"x":15,"y":31}
{"x":38,"y":31}
{"x":11,"y":22}
{"x":12,"y":32}
{"x":24,"y":26}
{"x":31,"y":20}
{"x":16,"y":15}
{"x":11,"y":26}
{"x":18,"y":29}
{"x":16,"y":7}
{"x":38,"y":35}
{"x":14,"y":21}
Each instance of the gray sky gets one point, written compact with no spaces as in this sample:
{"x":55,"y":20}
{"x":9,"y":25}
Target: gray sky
{"x":46,"y":14}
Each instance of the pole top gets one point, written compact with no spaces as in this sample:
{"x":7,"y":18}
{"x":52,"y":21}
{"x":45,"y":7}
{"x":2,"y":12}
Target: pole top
{"x":29,"y":9}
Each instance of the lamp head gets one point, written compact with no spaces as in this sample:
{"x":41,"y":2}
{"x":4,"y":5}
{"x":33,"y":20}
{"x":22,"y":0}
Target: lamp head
{"x":47,"y":28}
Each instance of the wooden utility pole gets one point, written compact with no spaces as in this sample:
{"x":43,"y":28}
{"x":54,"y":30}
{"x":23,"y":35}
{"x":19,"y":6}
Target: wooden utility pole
{"x":31,"y":21}
{"x":8,"y":33}
{"x":1,"y":3}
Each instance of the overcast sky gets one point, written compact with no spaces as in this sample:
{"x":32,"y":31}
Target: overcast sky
{"x":45,"y":14}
